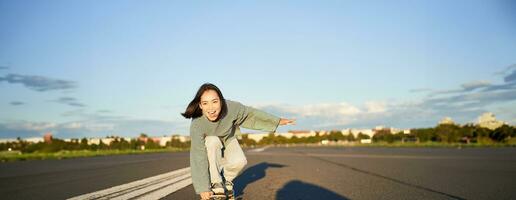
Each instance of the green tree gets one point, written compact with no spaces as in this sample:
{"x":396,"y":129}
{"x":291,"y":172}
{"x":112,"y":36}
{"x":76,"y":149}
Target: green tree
{"x":175,"y":142}
{"x":335,"y":136}
{"x":246,"y":141}
{"x":150,"y":144}
{"x":424,"y":134}
{"x":384,"y":135}
{"x":84,"y":144}
{"x":361,"y":136}
{"x":448,"y":133}
{"x":350,"y":137}
{"x":295,"y":140}
{"x":102,"y":146}
{"x":502,"y":133}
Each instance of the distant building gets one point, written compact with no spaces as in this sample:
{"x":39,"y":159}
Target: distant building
{"x":446,"y":121}
{"x":395,"y":130}
{"x":48,"y":137}
{"x":300,"y":133}
{"x":71,"y":140}
{"x":143,"y":138}
{"x":8,"y":140}
{"x":162,"y":141}
{"x":384,"y":129}
{"x":93,"y":141}
{"x":156,"y":139}
{"x":107,"y":141}
{"x":34,"y":139}
{"x":257,"y":136}
{"x":365,"y":141}
{"x":488,"y":120}
{"x":355,"y":132}
{"x":181,"y":138}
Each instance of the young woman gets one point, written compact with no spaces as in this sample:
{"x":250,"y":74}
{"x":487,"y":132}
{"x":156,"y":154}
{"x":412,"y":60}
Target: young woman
{"x":214,"y":147}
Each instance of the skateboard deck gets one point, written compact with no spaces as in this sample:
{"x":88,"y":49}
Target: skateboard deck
{"x":218,"y":197}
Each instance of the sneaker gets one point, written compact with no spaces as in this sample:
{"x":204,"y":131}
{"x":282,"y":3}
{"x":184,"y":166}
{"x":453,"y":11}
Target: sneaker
{"x":229,"y":188}
{"x":217,"y":189}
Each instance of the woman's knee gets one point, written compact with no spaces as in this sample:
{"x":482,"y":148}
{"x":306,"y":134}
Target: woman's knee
{"x":240,"y":164}
{"x":243,"y":163}
{"x":212,"y":142}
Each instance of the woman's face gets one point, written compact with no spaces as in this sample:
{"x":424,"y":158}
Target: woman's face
{"x":210,"y":104}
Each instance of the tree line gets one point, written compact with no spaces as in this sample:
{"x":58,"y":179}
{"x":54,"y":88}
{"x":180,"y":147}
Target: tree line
{"x":55,"y":145}
{"x":444,"y":133}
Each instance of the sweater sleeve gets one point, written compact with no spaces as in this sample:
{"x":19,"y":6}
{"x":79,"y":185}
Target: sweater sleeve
{"x":198,"y":160}
{"x":252,"y":118}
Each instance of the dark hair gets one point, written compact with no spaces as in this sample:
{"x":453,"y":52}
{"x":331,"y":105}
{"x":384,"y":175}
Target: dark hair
{"x":193,"y":110}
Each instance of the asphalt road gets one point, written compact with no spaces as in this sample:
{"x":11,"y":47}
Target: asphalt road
{"x":376,"y":173}
{"x":61,"y":179}
{"x":290,"y":173}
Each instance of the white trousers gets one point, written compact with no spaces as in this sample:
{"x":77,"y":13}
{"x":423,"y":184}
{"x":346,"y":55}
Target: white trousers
{"x":229,"y":158}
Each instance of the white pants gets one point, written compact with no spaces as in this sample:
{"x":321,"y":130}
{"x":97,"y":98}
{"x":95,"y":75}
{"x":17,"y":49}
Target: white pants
{"x":230,"y":158}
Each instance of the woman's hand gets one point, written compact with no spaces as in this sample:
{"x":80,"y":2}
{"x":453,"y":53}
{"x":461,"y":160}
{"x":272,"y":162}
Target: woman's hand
{"x":206,"y":195}
{"x":287,"y":121}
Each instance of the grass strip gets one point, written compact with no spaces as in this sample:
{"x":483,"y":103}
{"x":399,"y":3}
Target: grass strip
{"x":10,"y":156}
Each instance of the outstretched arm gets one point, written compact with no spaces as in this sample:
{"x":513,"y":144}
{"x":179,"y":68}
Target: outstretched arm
{"x":252,"y":118}
{"x":287,"y":122}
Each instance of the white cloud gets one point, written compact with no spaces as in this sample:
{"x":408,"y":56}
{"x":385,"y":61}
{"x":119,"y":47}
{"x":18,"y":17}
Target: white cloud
{"x":329,"y":115}
{"x":325,"y":109}
{"x":31,"y":126}
{"x":475,"y":84}
{"x":314,"y":110}
{"x":375,"y":106}
{"x":465,"y":87}
{"x":97,"y":127}
{"x":94,"y":128}
{"x":420,"y":90}
{"x":73,"y":125}
{"x":39,"y":83}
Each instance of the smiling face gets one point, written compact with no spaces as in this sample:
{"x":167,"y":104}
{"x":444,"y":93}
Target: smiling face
{"x":210,"y":105}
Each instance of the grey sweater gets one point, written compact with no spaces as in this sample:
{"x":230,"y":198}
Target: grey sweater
{"x":226,"y":128}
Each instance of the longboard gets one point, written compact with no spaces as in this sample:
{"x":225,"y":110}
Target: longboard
{"x":218,"y":197}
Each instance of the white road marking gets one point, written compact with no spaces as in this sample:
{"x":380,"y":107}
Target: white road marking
{"x":258,"y":149}
{"x":167,"y":190}
{"x":154,"y":187}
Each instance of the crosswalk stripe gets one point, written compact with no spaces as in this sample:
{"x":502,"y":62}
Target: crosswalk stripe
{"x":154,"y":187}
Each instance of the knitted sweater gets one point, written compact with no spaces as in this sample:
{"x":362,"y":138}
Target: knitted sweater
{"x":226,"y":128}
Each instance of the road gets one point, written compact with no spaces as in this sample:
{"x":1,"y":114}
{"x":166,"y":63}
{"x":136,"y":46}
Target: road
{"x":61,"y":179}
{"x":290,"y":173}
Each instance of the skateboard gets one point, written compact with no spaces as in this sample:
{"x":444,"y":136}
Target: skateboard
{"x":218,"y":197}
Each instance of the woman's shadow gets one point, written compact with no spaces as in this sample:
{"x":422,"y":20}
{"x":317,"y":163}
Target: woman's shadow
{"x":292,"y":190}
{"x":251,"y":175}
{"x":300,"y":190}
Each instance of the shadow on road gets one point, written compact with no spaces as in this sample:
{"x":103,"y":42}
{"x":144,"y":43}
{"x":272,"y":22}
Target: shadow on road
{"x":301,"y":190}
{"x":251,"y":175}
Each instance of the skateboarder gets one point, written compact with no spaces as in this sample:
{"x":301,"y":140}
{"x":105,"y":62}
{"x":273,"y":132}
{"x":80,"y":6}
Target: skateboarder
{"x":216,"y":158}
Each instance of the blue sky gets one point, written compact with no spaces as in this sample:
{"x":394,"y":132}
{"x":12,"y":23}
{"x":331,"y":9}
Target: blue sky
{"x":97,"y":68}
